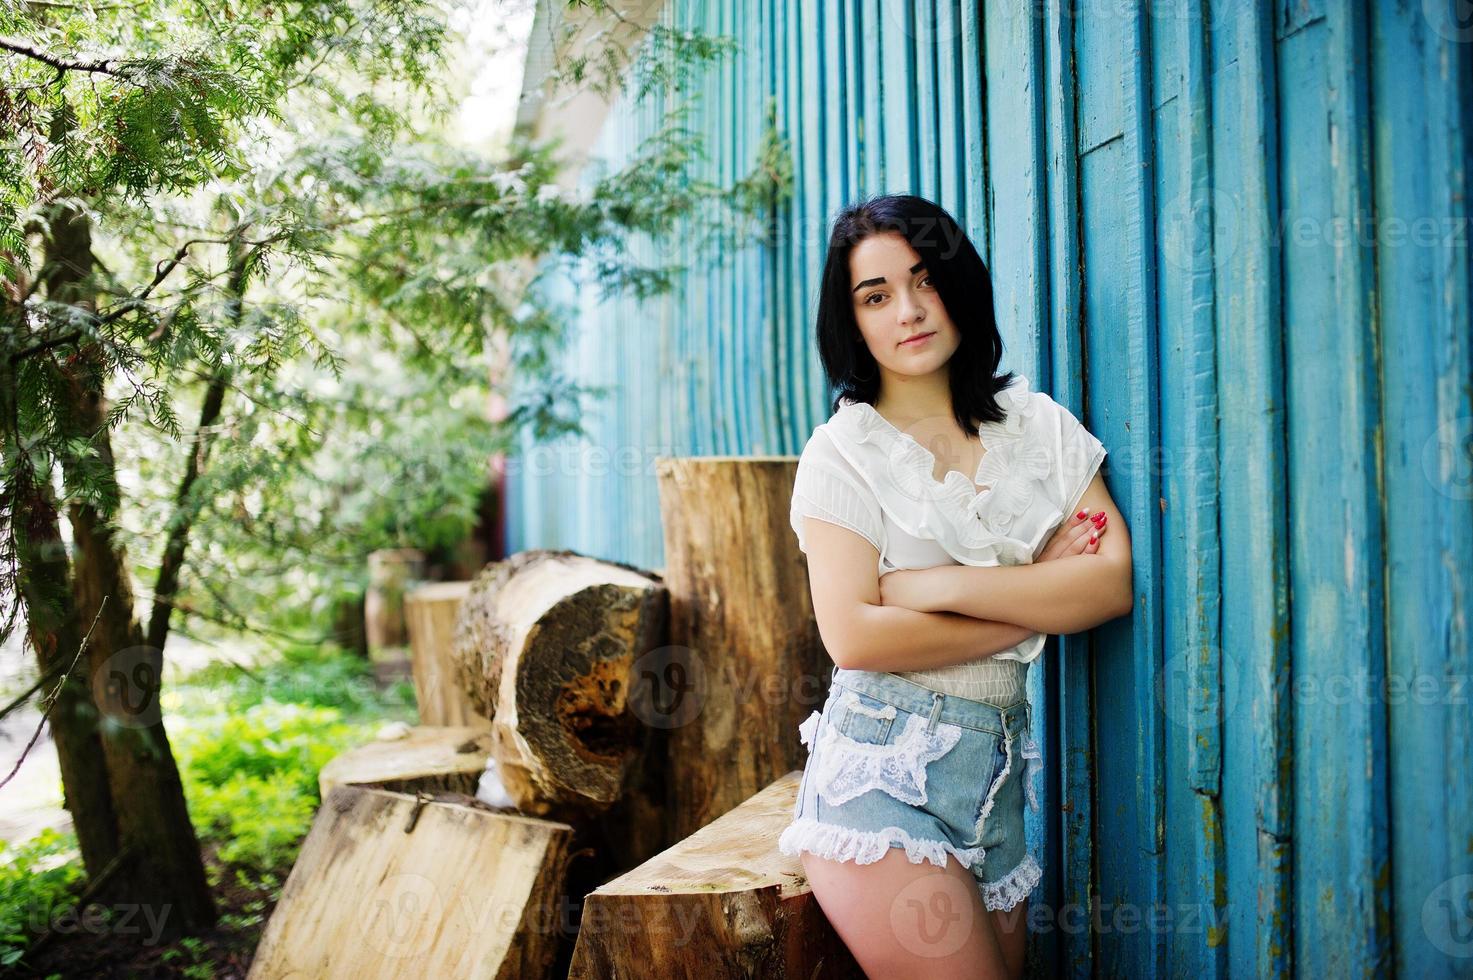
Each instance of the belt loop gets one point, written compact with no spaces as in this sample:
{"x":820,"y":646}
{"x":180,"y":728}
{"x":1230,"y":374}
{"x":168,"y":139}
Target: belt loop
{"x":936,"y":698}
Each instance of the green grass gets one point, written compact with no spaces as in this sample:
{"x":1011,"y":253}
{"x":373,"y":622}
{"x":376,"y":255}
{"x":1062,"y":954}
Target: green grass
{"x":249,"y":747}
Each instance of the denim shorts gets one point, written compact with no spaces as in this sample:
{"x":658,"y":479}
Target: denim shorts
{"x":894,"y":764}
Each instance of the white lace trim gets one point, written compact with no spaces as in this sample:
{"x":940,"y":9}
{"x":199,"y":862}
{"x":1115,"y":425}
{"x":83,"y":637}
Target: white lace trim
{"x":808,"y":729}
{"x":845,"y":768}
{"x":838,"y":843}
{"x":1034,"y":758}
{"x":996,"y":785}
{"x":851,"y":700}
{"x":1017,"y":885}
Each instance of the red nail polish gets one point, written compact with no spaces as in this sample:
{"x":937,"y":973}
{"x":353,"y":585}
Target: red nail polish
{"x":1093,"y":538}
{"x":1082,"y":514}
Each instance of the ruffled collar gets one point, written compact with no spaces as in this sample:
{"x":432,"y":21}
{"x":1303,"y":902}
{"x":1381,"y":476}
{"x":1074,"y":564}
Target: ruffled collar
{"x":973,"y":525}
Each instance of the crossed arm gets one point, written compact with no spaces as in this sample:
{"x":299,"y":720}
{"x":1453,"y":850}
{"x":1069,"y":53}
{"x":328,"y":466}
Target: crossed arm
{"x":937,"y":617}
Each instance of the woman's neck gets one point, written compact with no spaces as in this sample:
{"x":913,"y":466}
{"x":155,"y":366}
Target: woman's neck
{"x":909,"y":399}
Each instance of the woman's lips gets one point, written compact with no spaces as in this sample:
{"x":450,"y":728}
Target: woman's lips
{"x":915,"y":341}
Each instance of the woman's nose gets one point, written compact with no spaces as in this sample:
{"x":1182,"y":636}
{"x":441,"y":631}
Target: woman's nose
{"x":909,"y":310}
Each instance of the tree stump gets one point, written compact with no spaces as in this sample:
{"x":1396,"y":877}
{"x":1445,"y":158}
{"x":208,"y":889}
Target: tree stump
{"x":390,"y":886}
{"x":546,"y":646}
{"x":430,"y":758}
{"x":430,"y":612}
{"x":745,"y":664}
{"x":391,"y":572}
{"x":724,"y":902}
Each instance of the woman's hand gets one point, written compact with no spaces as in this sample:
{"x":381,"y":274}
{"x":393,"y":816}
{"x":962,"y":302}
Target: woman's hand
{"x":1079,"y":535}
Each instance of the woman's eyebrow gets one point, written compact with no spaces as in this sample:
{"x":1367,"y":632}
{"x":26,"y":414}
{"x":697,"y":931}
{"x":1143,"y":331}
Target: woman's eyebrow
{"x":879,"y":279}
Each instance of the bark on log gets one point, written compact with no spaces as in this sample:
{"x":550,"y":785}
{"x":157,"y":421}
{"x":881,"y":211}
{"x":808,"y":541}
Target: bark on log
{"x":390,"y":886}
{"x":546,"y":646}
{"x":430,"y":612}
{"x":747,"y":665}
{"x":724,"y":902}
{"x":429,"y":758}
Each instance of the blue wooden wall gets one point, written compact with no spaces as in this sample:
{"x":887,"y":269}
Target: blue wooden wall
{"x":1234,"y":238}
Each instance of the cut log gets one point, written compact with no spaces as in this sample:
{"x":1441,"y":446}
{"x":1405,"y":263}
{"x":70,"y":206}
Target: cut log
{"x":390,"y":886}
{"x":430,"y":613}
{"x":429,"y":758}
{"x":724,"y":902}
{"x":546,"y":646}
{"x":746,"y":663}
{"x":391,"y":573}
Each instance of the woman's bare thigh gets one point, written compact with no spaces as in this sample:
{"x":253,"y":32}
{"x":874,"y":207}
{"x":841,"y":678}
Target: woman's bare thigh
{"x":903,"y":919}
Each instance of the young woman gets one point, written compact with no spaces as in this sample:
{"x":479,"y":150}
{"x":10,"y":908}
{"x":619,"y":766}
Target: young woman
{"x":951,"y":517}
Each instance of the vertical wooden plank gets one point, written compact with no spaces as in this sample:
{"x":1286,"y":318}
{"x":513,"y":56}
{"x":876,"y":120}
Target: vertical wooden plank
{"x":1195,"y":882}
{"x":1429,"y":525}
{"x":897,"y":59}
{"x":1069,"y":750}
{"x":852,"y":58}
{"x":1336,"y":553}
{"x":811,"y":92}
{"x":797,"y":358}
{"x":973,"y":116}
{"x":876,"y":174}
{"x":1015,"y":149}
{"x":1450,"y":128}
{"x":952,"y":166}
{"x":1121,"y":365}
{"x":1192,"y":505}
{"x":1257,"y":717}
{"x":773,"y":352}
{"x":926,"y":100}
{"x":843,"y":151}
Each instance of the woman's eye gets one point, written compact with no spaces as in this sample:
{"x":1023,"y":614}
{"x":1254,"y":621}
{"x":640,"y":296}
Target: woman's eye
{"x":873,"y":296}
{"x":926,"y":279}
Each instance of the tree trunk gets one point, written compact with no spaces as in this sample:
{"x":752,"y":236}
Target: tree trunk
{"x":751,"y":662}
{"x":162,"y":865}
{"x":42,"y":570}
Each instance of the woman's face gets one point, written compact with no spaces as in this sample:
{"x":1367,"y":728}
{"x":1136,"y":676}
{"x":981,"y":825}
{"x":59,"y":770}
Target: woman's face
{"x":895,"y":299}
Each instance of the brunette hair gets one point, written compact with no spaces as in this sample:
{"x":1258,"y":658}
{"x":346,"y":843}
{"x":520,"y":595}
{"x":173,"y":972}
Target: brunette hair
{"x":962,"y":281}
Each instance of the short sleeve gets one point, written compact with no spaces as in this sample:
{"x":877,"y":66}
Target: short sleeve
{"x":829,"y":488}
{"x":1077,"y":454}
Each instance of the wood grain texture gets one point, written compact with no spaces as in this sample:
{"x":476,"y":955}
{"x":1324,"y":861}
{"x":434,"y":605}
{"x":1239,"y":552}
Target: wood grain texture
{"x":746,"y":665}
{"x":386,"y":887}
{"x":723,"y":902}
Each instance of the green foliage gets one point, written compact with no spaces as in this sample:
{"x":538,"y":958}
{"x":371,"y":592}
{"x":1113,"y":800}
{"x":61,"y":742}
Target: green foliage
{"x":250,"y":745}
{"x":249,"y":748}
{"x":37,"y":877}
{"x":275,"y":211}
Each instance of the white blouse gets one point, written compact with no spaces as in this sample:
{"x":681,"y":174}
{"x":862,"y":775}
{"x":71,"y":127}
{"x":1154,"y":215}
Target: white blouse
{"x":859,"y":471}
